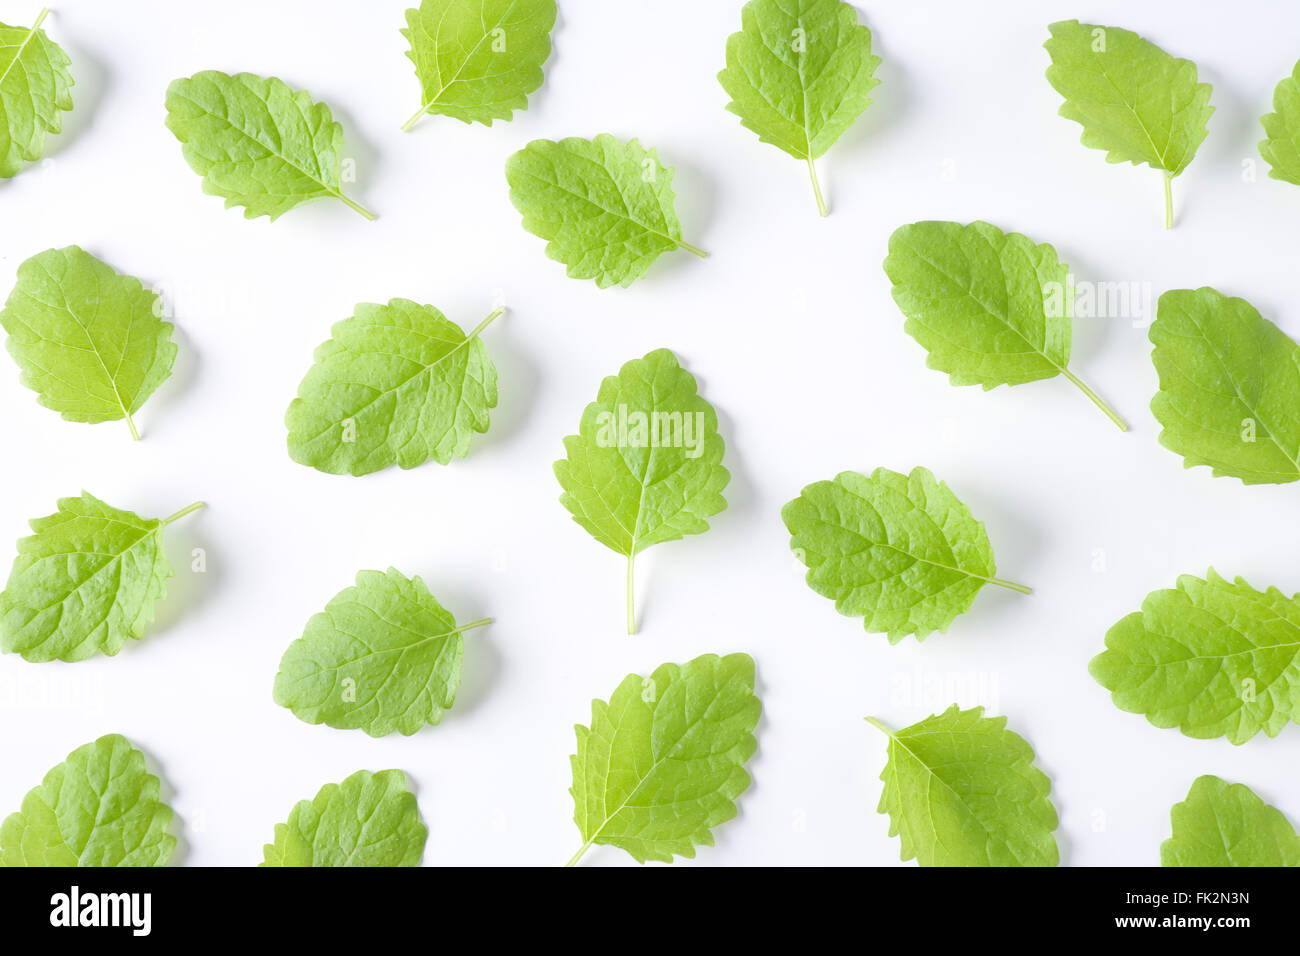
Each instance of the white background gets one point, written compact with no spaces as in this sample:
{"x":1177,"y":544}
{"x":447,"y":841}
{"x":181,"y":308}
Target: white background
{"x":789,"y":327}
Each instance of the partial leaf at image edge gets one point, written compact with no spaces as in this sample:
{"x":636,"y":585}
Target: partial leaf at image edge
{"x":33,"y":98}
{"x":1226,"y":824}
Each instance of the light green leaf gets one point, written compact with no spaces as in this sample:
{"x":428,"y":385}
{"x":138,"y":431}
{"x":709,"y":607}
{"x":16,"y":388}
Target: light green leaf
{"x":645,"y":466}
{"x":990,"y":307}
{"x":962,"y":790}
{"x":1132,"y":98}
{"x":1281,"y":150}
{"x":100,"y":807}
{"x":1225,"y":824}
{"x":35,"y":89}
{"x":605,"y":208}
{"x":370,"y":819}
{"x":900,"y":551}
{"x":85,"y":583}
{"x":799,"y":72}
{"x":88,"y":340}
{"x":1229,"y":387}
{"x":477,"y":60}
{"x":382,"y":656}
{"x":1214,"y":658}
{"x":398,"y":384}
{"x":257,"y":143}
{"x":663,"y":762}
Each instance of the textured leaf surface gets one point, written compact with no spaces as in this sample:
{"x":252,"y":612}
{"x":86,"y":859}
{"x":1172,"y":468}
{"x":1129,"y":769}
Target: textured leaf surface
{"x":799,"y":72}
{"x":256,"y":142}
{"x":663,"y":761}
{"x":397,"y":384}
{"x":100,"y":807}
{"x":382,"y":656}
{"x":85,"y":583}
{"x":962,"y":790}
{"x":1281,"y":148}
{"x":1229,"y":387}
{"x":370,"y":819}
{"x":35,"y":90}
{"x":1214,"y":658}
{"x":87,"y":339}
{"x":606,"y":209}
{"x":477,"y":60}
{"x":1132,"y":98}
{"x":1225,"y":824}
{"x":900,"y":551}
{"x":646,"y":464}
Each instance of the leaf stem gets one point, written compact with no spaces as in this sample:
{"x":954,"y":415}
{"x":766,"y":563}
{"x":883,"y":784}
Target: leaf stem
{"x":879,"y":725}
{"x":1169,"y":200}
{"x":406,"y":127}
{"x":817,"y":189}
{"x":694,"y":250}
{"x":496,"y":314}
{"x":1012,"y":585}
{"x":631,"y":597}
{"x":1096,"y":399}
{"x":573,"y":860}
{"x":481,"y":622}
{"x":189,"y":509}
{"x":357,"y":207}
{"x":130,"y":423}
{"x":40,"y":19}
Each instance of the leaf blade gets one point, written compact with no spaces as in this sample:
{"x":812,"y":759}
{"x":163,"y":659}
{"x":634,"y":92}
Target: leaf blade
{"x":35,"y":90}
{"x":1226,"y":824}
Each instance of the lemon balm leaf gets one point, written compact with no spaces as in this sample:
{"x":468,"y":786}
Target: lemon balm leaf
{"x":257,"y":143}
{"x":477,"y":60}
{"x":1132,"y":99}
{"x":990,"y":307}
{"x":799,"y":73}
{"x":1229,"y":391}
{"x":663,"y":761}
{"x":35,"y":91}
{"x":370,"y":819}
{"x":646,"y":464}
{"x":100,"y":807}
{"x":963,"y":790}
{"x":383,"y":656}
{"x":900,"y":551}
{"x":397,"y":384}
{"x":86,"y":582}
{"x":1281,"y":147}
{"x":1226,"y":824}
{"x":89,"y":341}
{"x":606,"y":209}
{"x":1212,"y":657}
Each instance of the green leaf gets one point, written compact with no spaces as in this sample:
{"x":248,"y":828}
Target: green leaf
{"x":35,"y":89}
{"x":257,"y":143}
{"x":370,"y":819}
{"x":1229,"y":387}
{"x":663,"y":762}
{"x":962,"y":790}
{"x":605,"y":208}
{"x":382,"y":656}
{"x":799,"y":72}
{"x":900,"y":551}
{"x":477,"y":60}
{"x":990,"y":307}
{"x":1281,"y":150}
{"x":398,"y":384}
{"x":100,"y":807}
{"x":645,"y":466}
{"x":87,"y":339}
{"x":1214,"y":658}
{"x":1225,"y":824}
{"x":1132,"y":98}
{"x":85,"y":583}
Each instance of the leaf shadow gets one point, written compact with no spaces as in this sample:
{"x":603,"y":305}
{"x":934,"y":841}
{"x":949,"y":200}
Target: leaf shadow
{"x":697,"y":193}
{"x":482,"y":662}
{"x":183,"y":376}
{"x":517,"y":399}
{"x":187,"y":589}
{"x":364,"y":156}
{"x":91,"y":83}
{"x":1015,"y":541}
{"x":167,"y":794}
{"x":890,"y":102}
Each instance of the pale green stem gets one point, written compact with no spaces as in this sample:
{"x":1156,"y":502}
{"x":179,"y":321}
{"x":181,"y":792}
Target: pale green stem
{"x":486,"y":322}
{"x":1169,"y":200}
{"x":817,"y":189}
{"x":1096,"y":399}
{"x":573,"y":860}
{"x":130,"y":423}
{"x":406,"y":127}
{"x":631,"y":597}
{"x":694,"y":250}
{"x":40,"y":19}
{"x":357,"y":207}
{"x":190,"y":509}
{"x":1012,"y":585}
{"x":879,"y":725}
{"x":481,"y":622}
